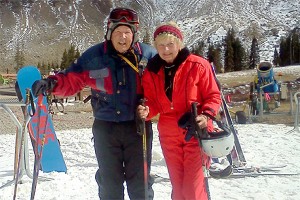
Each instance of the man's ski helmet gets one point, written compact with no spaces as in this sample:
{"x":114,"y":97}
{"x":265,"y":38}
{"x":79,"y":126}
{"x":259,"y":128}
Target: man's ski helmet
{"x":218,"y":144}
{"x":122,"y":16}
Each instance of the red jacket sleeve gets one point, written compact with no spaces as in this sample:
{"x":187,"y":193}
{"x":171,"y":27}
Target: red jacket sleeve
{"x":69,"y":83}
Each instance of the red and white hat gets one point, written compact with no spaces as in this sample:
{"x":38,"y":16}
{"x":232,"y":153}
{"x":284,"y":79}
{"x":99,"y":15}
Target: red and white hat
{"x":168,"y":29}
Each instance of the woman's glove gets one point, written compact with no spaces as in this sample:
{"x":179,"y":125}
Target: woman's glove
{"x":43,"y":86}
{"x":189,"y":123}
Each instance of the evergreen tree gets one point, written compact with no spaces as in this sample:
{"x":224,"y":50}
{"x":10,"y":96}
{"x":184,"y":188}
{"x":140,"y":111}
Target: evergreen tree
{"x":198,"y":48}
{"x":229,"y":51}
{"x":289,"y":52}
{"x":246,"y":60}
{"x":69,"y":56}
{"x":214,"y":55}
{"x":19,"y":57}
{"x":276,"y":60}
{"x":295,"y":46}
{"x":254,"y":58}
{"x":77,"y":54}
{"x":284,"y":52}
{"x":64,"y":60}
{"x":43,"y":68}
{"x":239,"y":55}
{"x":235,"y":56}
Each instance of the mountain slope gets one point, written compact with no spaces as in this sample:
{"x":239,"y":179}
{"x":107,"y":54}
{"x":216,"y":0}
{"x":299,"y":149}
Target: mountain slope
{"x":44,"y":28}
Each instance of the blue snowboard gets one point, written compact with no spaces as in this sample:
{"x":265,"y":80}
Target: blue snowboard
{"x":52,"y":158}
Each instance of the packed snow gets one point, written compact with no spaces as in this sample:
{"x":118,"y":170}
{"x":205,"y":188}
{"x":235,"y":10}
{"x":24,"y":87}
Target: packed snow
{"x":263,"y":145}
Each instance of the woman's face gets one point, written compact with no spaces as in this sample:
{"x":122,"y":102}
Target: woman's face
{"x":122,"y":38}
{"x":167,"y":48}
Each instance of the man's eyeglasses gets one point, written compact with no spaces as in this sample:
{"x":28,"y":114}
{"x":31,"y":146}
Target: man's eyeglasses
{"x":123,"y":14}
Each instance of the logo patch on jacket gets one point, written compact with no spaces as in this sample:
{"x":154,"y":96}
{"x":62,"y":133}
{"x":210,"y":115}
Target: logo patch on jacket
{"x":103,"y":79}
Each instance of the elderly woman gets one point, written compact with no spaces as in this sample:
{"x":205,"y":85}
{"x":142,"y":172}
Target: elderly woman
{"x":174,"y":79}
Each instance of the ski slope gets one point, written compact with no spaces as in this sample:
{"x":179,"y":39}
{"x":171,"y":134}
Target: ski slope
{"x":264,"y":145}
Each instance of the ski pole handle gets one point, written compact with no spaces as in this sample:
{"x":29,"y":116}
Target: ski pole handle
{"x":140,"y":122}
{"x":195,"y":114}
{"x":194,"y":109}
{"x":200,"y":132}
{"x":142,"y":102}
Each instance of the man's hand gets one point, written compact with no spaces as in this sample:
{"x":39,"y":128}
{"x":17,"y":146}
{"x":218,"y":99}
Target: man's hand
{"x":142,"y":111}
{"x":43,"y":86}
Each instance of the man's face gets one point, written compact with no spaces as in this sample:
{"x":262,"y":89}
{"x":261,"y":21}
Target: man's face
{"x":122,"y":38}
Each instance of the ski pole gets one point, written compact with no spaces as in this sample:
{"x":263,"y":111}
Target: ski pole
{"x":145,"y":160}
{"x":142,"y":126}
{"x":200,"y":133}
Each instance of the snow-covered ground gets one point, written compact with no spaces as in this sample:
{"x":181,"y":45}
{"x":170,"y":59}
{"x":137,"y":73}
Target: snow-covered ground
{"x":263,"y":145}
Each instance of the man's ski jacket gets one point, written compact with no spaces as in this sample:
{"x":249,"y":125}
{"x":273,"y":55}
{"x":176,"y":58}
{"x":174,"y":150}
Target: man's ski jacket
{"x":115,"y":85}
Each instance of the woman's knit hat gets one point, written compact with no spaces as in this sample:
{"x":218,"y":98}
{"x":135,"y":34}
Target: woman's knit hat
{"x":168,"y":28}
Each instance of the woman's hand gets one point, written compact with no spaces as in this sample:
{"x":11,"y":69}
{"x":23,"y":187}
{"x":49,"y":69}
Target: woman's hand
{"x":201,"y":121}
{"x":142,"y":111}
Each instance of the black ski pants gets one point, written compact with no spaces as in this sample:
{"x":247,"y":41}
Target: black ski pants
{"x":119,"y":152}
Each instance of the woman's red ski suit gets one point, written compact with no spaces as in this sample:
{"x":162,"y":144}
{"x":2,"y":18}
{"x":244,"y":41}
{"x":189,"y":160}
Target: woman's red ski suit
{"x":193,"y":82}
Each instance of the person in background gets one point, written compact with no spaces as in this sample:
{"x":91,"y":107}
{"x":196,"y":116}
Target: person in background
{"x":172,"y":81}
{"x":112,"y":70}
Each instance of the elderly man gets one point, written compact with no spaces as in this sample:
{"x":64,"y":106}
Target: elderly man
{"x":112,"y":70}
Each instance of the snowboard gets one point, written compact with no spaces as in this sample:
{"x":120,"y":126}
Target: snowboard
{"x":41,"y":123}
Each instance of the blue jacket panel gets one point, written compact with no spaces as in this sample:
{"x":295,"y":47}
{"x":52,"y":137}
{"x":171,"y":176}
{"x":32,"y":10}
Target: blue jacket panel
{"x":115,"y":85}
